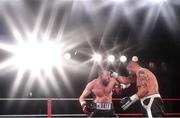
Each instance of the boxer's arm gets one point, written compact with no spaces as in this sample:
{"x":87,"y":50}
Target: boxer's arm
{"x":124,"y":80}
{"x":85,"y":93}
{"x":142,"y":83}
{"x":121,"y":80}
{"x":82,"y":101}
{"x":142,"y":79}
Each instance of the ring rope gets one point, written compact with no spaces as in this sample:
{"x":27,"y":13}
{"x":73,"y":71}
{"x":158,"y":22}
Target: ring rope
{"x":73,"y":99}
{"x":64,"y":115}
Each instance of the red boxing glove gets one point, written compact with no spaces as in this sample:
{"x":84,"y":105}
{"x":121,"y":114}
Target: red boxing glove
{"x":117,"y":89}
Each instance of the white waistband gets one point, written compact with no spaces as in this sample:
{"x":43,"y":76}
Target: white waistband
{"x":104,"y":106}
{"x":151,"y":96}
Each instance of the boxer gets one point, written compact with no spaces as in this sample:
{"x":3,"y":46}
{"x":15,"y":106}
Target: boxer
{"x":147,"y":92}
{"x":101,"y":87}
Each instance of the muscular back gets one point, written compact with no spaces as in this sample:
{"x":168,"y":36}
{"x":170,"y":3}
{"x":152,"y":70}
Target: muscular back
{"x":146,"y":83}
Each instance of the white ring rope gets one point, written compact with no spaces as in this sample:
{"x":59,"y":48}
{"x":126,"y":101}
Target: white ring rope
{"x":43,"y":115}
{"x":46,"y":99}
{"x":72,"y":99}
{"x":42,"y":99}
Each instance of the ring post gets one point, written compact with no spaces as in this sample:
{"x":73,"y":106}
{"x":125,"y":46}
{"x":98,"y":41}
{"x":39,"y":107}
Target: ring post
{"x":49,"y":108}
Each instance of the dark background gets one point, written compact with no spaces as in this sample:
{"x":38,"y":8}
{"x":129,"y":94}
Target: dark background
{"x":109,"y":32}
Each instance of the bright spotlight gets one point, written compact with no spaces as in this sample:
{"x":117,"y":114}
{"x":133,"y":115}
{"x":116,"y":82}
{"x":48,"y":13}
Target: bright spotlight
{"x":157,"y":1}
{"x":67,"y":56}
{"x":97,"y":57}
{"x":111,"y":58}
{"x":123,"y":58}
{"x":135,"y":58}
{"x":36,"y":56}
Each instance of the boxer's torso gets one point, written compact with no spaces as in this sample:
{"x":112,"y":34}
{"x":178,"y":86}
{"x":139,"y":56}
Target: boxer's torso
{"x":102,"y":94}
{"x":151,"y":82}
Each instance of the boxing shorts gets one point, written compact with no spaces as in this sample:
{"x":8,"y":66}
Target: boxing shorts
{"x":152,"y":106}
{"x":103,"y":110}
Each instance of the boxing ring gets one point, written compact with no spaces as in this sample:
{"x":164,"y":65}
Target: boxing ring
{"x":49,"y":108}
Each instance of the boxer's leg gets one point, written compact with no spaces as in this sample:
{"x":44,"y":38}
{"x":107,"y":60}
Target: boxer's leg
{"x":157,"y":108}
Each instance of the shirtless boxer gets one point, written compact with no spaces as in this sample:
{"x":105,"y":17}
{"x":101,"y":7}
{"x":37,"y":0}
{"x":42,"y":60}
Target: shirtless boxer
{"x":147,"y":91}
{"x":101,"y":87}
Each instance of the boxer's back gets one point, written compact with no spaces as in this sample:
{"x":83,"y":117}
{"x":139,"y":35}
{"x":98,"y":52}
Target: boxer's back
{"x":151,"y":82}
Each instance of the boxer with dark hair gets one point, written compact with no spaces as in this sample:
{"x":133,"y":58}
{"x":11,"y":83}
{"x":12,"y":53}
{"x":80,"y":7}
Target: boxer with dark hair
{"x":102,"y":88}
{"x":147,"y":92}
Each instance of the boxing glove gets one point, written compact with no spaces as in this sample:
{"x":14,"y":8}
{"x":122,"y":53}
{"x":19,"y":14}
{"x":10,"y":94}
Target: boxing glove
{"x":122,"y":86}
{"x":114,"y":74}
{"x":88,"y":107}
{"x":117,"y":90}
{"x":128,"y":101}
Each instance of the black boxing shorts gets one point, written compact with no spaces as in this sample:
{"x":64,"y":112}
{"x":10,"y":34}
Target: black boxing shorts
{"x":103,"y":110}
{"x":152,"y":106}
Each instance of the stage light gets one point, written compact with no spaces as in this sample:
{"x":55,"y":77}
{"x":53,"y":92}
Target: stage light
{"x":111,"y":58}
{"x":135,"y":58}
{"x":123,"y":58}
{"x":97,"y":57}
{"x":67,"y":56}
{"x":30,"y":94}
{"x":39,"y":58}
{"x":35,"y":49}
{"x":36,"y":56}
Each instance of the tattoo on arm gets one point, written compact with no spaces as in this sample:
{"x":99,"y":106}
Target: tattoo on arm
{"x":142,"y":75}
{"x":142,"y":78}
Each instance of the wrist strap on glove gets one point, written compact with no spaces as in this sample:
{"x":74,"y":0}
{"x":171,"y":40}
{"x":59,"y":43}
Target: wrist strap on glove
{"x":127,"y":102}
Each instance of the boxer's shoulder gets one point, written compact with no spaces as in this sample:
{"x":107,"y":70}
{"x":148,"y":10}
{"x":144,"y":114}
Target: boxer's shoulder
{"x":143,"y":71}
{"x":93,"y":82}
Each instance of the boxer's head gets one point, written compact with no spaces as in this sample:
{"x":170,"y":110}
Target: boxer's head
{"x":132,"y":67}
{"x":105,"y":77}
